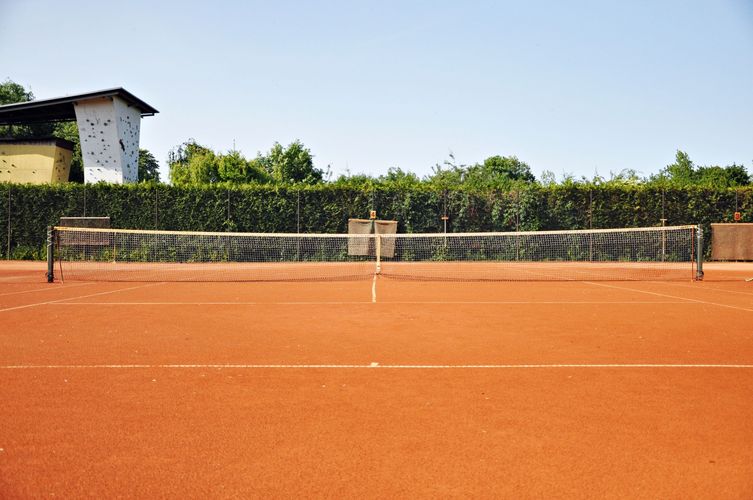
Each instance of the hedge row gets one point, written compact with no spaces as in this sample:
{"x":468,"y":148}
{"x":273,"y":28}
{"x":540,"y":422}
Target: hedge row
{"x":26,"y":210}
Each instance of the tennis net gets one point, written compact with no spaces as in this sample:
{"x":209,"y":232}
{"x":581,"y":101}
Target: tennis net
{"x":661,"y":253}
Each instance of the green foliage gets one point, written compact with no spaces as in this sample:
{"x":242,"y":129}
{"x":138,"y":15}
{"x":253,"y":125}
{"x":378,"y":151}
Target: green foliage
{"x":69,"y":131}
{"x":501,"y":170}
{"x":11,"y":93}
{"x":292,"y":164}
{"x":683,"y":172}
{"x":148,"y":167}
{"x":496,"y":172}
{"x":194,"y":164}
{"x":447,"y":175}
{"x":357,"y":181}
{"x":234,"y":168}
{"x":397,"y":177}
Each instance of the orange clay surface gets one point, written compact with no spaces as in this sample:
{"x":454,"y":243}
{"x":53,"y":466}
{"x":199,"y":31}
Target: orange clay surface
{"x":237,"y":390}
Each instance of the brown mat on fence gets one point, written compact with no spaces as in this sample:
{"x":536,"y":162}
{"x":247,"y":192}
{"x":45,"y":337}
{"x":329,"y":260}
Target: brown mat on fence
{"x":732,"y":241}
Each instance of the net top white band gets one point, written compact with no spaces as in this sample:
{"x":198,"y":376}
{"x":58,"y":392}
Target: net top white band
{"x":357,"y":235}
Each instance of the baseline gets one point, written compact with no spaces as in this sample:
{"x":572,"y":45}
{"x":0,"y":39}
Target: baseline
{"x":375,"y":365}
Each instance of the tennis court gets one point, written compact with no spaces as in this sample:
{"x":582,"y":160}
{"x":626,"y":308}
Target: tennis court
{"x":377,"y":387}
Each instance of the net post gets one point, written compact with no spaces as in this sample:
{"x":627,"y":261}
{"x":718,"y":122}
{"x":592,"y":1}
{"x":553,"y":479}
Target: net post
{"x":378,"y":253}
{"x":50,"y":254}
{"x":699,"y":253}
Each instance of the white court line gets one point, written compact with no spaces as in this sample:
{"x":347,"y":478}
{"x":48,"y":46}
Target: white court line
{"x":25,"y":306}
{"x":373,"y":289}
{"x":8,"y":279}
{"x":47,"y":288}
{"x":376,"y":366}
{"x":705,"y":286}
{"x":402,"y":302}
{"x":698,"y":301}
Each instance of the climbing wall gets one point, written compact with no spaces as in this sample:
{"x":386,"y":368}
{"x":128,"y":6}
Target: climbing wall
{"x":109,"y":132}
{"x":129,"y":127}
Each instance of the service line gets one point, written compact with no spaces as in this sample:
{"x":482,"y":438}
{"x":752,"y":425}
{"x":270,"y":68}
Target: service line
{"x":387,"y":302}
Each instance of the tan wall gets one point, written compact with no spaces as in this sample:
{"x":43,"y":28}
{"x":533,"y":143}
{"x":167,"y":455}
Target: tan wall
{"x":36,"y":163}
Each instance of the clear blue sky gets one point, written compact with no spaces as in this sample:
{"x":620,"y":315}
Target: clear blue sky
{"x":565,"y":86}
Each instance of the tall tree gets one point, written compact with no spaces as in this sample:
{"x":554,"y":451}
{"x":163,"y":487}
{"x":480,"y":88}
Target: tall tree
{"x":148,"y":167}
{"x":398,"y":177}
{"x":69,"y":131}
{"x":11,"y":93}
{"x":494,"y":172}
{"x":292,"y":164}
{"x":234,"y":167}
{"x":501,"y":170}
{"x":682,"y":171}
{"x":192,"y":163}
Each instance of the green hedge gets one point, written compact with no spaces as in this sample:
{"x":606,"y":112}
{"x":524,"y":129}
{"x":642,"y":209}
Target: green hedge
{"x":326,"y":208}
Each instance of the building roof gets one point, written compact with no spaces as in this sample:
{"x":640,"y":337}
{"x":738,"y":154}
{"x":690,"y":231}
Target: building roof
{"x":57,"y":141}
{"x":62,"y":108}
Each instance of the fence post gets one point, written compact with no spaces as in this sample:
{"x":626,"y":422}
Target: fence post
{"x":228,"y":207}
{"x":699,"y":254}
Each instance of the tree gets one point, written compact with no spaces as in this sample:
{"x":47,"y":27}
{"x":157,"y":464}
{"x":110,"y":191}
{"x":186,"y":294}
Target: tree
{"x":683,"y":173}
{"x":355,"y":181}
{"x":292,"y":164}
{"x":397,"y":177}
{"x":731,"y":176}
{"x":69,"y":132}
{"x":148,"y":167}
{"x":506,"y":168}
{"x":447,"y":174}
{"x":494,"y":172}
{"x":548,"y":178}
{"x":233,"y":167}
{"x":11,"y":93}
{"x":192,"y":163}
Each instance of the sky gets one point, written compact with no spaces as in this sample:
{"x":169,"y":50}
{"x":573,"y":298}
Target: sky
{"x":577,"y":87}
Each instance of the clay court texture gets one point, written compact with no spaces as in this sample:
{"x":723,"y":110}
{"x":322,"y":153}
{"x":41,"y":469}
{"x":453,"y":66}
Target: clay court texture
{"x":377,"y":387}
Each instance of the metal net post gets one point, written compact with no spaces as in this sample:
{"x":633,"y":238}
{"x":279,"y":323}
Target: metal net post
{"x":50,"y":254}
